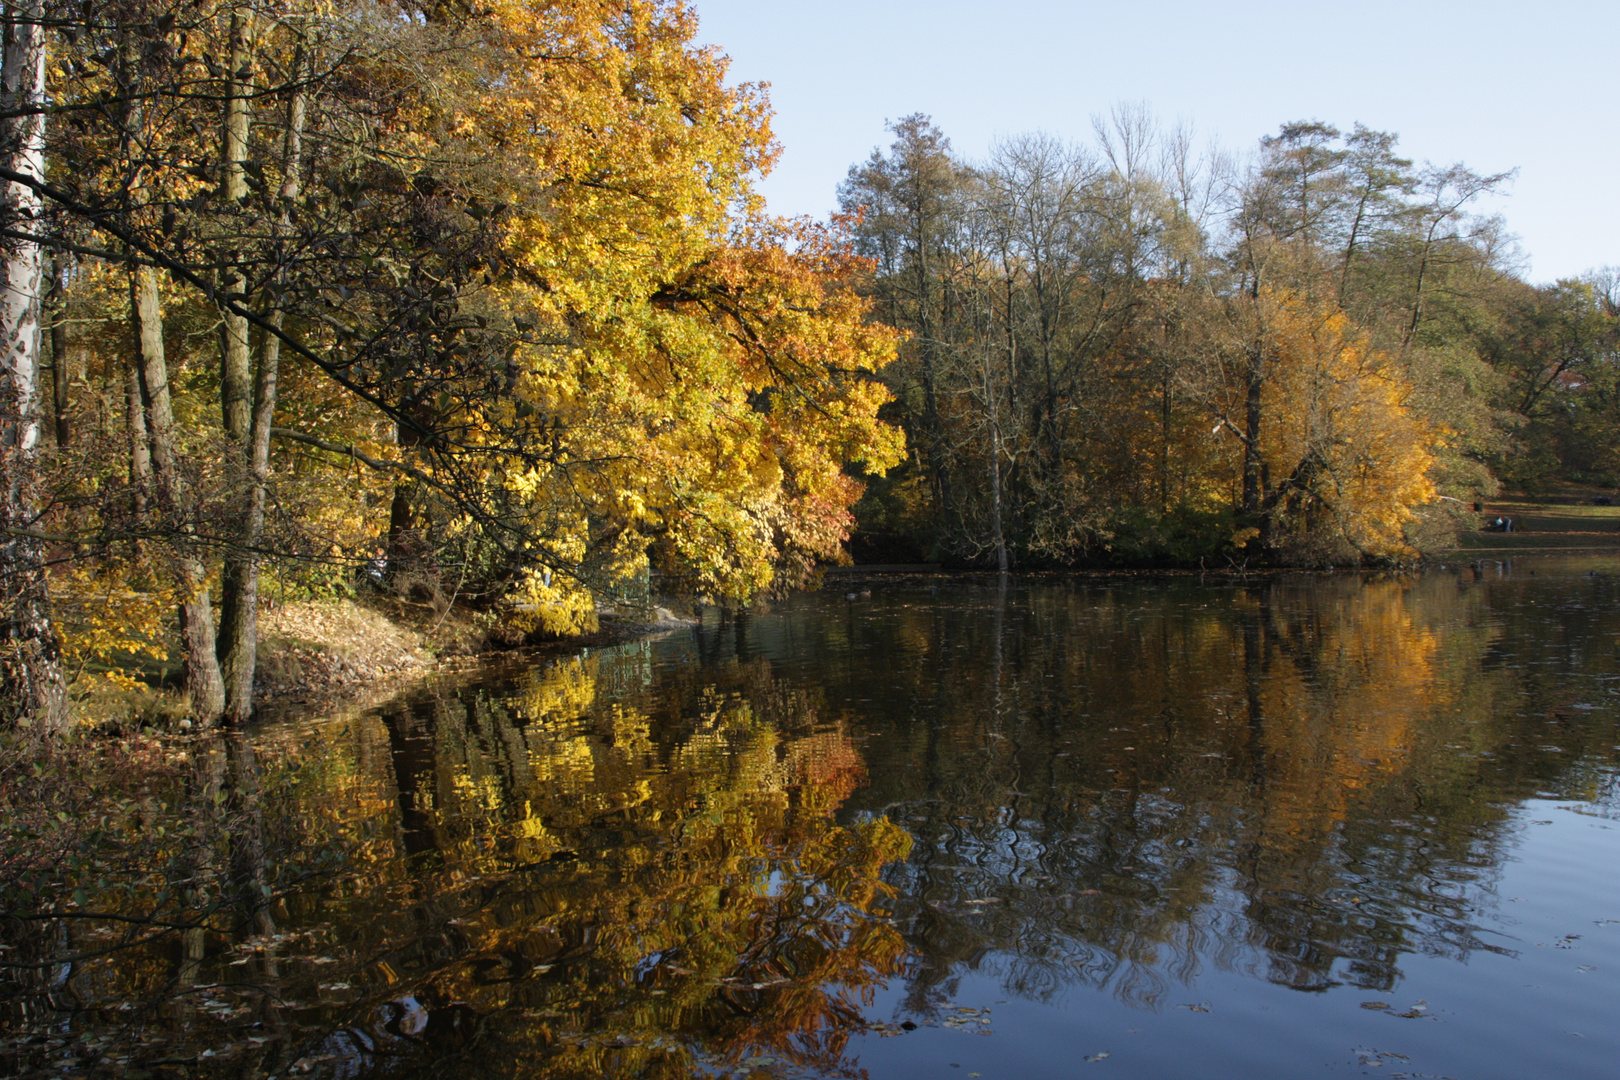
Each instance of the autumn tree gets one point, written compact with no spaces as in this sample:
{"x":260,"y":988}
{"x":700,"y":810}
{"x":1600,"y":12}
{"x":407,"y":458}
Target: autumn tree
{"x":1344,"y":458}
{"x":493,"y":298}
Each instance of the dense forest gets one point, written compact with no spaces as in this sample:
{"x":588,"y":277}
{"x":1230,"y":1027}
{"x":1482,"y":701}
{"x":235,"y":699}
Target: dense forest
{"x":1136,"y":352}
{"x":479,"y":300}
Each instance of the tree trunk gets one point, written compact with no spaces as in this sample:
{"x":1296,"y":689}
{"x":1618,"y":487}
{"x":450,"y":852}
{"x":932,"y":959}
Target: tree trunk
{"x":1253,"y":415}
{"x":239,"y":580}
{"x":236,"y":376}
{"x":140,"y":444}
{"x":204,"y":687}
{"x":31,"y":680}
{"x":1164,"y":440}
{"x":61,"y":353}
{"x":240,"y":585}
{"x":998,"y":533}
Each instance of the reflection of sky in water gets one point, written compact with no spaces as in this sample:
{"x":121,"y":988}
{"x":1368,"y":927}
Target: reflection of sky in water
{"x":1169,"y":829}
{"x":1541,"y":1002}
{"x":1155,"y":792}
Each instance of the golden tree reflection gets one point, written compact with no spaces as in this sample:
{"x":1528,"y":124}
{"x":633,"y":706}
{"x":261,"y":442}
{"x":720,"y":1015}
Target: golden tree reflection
{"x":620,"y":886}
{"x":708,"y":855}
{"x":1121,"y":785}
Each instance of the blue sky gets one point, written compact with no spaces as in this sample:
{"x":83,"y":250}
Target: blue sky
{"x":1532,"y":86}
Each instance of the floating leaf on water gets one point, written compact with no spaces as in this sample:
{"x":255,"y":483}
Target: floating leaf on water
{"x":1099,"y":1056}
{"x":1375,"y":1004}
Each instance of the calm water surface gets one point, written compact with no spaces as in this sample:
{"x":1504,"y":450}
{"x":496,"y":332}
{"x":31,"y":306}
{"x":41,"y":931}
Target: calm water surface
{"x":1035,"y":827}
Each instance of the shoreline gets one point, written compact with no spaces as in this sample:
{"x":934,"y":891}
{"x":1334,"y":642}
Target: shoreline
{"x":333,"y":673}
{"x":344,"y":653}
{"x":341,"y":653}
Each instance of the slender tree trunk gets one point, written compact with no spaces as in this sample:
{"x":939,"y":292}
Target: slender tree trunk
{"x":1252,"y":416}
{"x":1417,"y":294}
{"x":998,"y":534}
{"x":140,"y":444}
{"x":1164,"y":440}
{"x":61,"y":356}
{"x":204,"y":686}
{"x":239,"y":579}
{"x":236,"y":376}
{"x":31,"y":680}
{"x":239,"y":641}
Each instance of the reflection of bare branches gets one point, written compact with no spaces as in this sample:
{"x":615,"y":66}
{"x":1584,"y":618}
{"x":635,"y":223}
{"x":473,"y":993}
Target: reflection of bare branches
{"x":1180,"y":778}
{"x":143,"y":884}
{"x":613,"y":862}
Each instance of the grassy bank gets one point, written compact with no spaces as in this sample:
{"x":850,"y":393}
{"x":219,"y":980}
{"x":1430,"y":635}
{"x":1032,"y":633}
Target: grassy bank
{"x":1560,"y":520}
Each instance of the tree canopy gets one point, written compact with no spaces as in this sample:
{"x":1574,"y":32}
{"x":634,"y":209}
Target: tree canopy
{"x":479,"y":296}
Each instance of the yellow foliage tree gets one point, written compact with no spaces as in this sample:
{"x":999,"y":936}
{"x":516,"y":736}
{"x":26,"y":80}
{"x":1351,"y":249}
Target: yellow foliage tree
{"x":507,"y":280}
{"x":683,"y":373}
{"x":1345,"y":458}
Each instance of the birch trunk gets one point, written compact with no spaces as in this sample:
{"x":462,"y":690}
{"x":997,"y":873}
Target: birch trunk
{"x":236,"y":376}
{"x":31,"y":680}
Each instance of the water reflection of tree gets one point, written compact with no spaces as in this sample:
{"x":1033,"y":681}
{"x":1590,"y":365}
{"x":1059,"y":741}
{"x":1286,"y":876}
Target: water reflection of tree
{"x":617,"y":884}
{"x":614,"y":867}
{"x":1120,"y":786}
{"x":147,"y":867}
{"x":543,"y":878}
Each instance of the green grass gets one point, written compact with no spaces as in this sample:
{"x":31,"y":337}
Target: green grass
{"x":1562,"y":519}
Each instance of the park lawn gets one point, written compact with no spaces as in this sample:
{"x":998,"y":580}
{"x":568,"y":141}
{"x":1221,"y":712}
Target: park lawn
{"x":1561,"y":519}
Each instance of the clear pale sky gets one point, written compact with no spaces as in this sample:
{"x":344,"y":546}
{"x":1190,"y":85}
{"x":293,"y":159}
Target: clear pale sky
{"x":1498,"y":85}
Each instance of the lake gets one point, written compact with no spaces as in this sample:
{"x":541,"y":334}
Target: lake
{"x":963,"y":826}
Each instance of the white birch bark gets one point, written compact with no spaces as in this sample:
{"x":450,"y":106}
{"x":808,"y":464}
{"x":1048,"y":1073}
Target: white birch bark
{"x":32,"y":683}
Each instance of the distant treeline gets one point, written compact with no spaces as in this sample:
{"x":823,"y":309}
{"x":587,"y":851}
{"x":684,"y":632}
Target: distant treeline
{"x":1139,"y":352}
